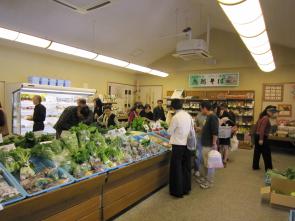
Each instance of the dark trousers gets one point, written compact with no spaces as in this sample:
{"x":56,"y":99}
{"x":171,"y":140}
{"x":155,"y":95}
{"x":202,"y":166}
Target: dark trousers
{"x":180,"y":171}
{"x":263,"y":149}
{"x":38,"y":126}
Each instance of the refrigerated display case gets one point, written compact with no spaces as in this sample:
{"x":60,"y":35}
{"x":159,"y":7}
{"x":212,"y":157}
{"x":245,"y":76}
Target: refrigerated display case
{"x":54,"y":98}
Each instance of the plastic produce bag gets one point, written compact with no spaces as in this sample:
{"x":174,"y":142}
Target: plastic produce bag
{"x":214,"y":159}
{"x":234,"y":143}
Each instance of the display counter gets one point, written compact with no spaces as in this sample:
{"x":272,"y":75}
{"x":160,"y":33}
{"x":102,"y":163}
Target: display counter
{"x":286,"y":143}
{"x":98,"y":198}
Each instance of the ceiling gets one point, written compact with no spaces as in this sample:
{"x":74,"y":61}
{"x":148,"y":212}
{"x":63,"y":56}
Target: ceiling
{"x":133,"y":30}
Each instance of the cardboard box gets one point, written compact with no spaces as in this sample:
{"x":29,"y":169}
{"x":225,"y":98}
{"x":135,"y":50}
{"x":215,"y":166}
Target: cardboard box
{"x":280,"y":192}
{"x":265,"y":193}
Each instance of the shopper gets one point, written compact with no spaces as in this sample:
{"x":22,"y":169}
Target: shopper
{"x":159,"y":113}
{"x":147,"y":113}
{"x":209,"y":142}
{"x":3,"y":122}
{"x":39,"y":114}
{"x":199,"y":123}
{"x":98,"y":108}
{"x":180,"y":164}
{"x":108,"y":118}
{"x":227,"y":120}
{"x":70,"y":117}
{"x":81,"y":102}
{"x":261,"y":132}
{"x":134,"y":112}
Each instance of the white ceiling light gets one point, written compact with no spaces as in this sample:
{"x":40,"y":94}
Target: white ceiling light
{"x":72,"y":50}
{"x":265,"y":58}
{"x":243,"y":12}
{"x":40,"y":42}
{"x":139,"y":68}
{"x":251,"y":29}
{"x":247,"y":18}
{"x":8,"y":34}
{"x":31,"y":40}
{"x":268,"y":67}
{"x":159,"y":73}
{"x":112,"y":61}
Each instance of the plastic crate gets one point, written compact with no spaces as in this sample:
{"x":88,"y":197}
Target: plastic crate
{"x":52,"y":82}
{"x":34,"y":80}
{"x":44,"y":81}
{"x":60,"y":83}
{"x":39,"y":165}
{"x":12,"y":182}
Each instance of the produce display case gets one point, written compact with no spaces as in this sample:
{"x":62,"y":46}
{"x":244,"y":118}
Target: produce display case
{"x":54,"y":98}
{"x":97,"y":198}
{"x":9,"y":184}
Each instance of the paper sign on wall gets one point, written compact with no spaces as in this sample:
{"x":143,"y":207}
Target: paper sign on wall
{"x":214,"y":80}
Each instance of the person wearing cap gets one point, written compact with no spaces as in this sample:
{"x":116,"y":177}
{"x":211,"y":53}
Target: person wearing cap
{"x":262,"y":130}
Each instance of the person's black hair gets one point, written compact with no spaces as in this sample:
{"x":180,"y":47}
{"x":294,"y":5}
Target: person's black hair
{"x":0,"y":105}
{"x":207,"y":105}
{"x":98,"y":103}
{"x":160,"y":101}
{"x":137,"y":105}
{"x":140,"y":106}
{"x":264,"y":112}
{"x":84,"y":111}
{"x":82,"y":101}
{"x":176,"y":104}
{"x":147,"y":106}
{"x":109,"y":107}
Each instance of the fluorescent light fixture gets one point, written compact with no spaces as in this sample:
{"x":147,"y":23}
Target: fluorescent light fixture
{"x":139,"y":68}
{"x":72,"y":50}
{"x":247,"y":18}
{"x":43,"y":43}
{"x":260,"y":49}
{"x":8,"y":34}
{"x":251,"y":29}
{"x":265,"y":58}
{"x":159,"y":73}
{"x":112,"y":61}
{"x":244,"y":12}
{"x":268,"y":67}
{"x":31,"y":40}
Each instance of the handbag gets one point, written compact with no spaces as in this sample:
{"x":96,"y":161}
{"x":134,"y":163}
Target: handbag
{"x":214,"y":159}
{"x":191,"y":139}
{"x":234,"y":143}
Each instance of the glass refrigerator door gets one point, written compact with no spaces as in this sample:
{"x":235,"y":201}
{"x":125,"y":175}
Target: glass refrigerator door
{"x":16,"y":114}
{"x":55,"y":104}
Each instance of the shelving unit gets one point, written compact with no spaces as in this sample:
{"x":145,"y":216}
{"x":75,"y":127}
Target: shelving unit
{"x":242,"y":103}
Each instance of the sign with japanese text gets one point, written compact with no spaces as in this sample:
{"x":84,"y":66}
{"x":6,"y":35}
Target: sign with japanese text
{"x":214,"y":80}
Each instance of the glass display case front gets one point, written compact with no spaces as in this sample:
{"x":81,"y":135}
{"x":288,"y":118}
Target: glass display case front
{"x":55,"y":103}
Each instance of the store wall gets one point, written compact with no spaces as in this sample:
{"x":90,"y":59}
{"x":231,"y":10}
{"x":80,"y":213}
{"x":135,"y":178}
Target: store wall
{"x":231,"y":56}
{"x":17,"y":64}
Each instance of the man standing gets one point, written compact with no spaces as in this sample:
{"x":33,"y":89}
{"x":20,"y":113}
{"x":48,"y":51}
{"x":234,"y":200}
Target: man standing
{"x":209,"y":142}
{"x":39,"y":114}
{"x":180,"y":164}
{"x":71,"y":116}
{"x":159,"y":113}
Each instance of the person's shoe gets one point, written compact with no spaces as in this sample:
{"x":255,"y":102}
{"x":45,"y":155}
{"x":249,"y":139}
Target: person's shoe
{"x":224,"y":164}
{"x":200,"y":180}
{"x":206,"y":185}
{"x":176,"y":196}
{"x":254,"y":168}
{"x":197,"y":174}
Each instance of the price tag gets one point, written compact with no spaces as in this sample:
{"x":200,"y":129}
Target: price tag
{"x":1,"y":138}
{"x":146,"y":127}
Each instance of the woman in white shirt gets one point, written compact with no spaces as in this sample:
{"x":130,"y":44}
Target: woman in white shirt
{"x":180,"y":164}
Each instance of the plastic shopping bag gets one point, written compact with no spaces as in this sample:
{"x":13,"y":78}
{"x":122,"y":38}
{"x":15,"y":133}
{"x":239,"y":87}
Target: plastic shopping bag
{"x":191,"y":140}
{"x":214,"y":159}
{"x":234,"y":143}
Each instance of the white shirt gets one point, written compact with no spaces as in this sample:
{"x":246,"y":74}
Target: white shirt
{"x":180,"y":127}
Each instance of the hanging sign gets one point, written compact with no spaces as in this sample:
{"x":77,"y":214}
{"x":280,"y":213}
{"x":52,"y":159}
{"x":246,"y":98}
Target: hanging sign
{"x":214,"y":80}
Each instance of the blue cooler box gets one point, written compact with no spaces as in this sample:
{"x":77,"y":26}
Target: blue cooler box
{"x":44,"y":81}
{"x":52,"y":82}
{"x":34,"y":80}
{"x":60,"y":83}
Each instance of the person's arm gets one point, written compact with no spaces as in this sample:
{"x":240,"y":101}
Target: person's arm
{"x":214,"y":130}
{"x":65,"y":122}
{"x":261,"y":131}
{"x":172,"y":126}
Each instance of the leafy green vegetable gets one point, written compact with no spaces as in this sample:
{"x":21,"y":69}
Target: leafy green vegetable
{"x":43,"y":151}
{"x":137,"y":124}
{"x":45,"y":137}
